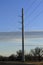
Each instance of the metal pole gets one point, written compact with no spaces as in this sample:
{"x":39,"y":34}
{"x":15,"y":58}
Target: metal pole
{"x":23,"y":58}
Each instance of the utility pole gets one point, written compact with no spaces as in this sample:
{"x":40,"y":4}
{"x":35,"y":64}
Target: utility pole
{"x":23,"y":57}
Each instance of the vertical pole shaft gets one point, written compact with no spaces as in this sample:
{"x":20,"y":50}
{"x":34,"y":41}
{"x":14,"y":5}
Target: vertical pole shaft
{"x":23,"y":58}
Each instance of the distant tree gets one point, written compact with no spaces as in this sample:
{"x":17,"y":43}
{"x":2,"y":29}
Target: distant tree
{"x":1,"y":58}
{"x":5,"y":59}
{"x":36,"y":53}
{"x":28,"y":57}
{"x":19,"y":55}
{"x":12,"y":57}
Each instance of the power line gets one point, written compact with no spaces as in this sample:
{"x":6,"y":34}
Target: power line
{"x":31,"y":6}
{"x":37,"y":15}
{"x":31,"y":45}
{"x":35,"y":8}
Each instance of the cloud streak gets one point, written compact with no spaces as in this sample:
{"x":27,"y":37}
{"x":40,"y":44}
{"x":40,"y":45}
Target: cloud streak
{"x":11,"y":36}
{"x":17,"y":36}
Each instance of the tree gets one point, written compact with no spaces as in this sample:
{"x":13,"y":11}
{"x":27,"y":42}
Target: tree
{"x":36,"y":53}
{"x":1,"y":58}
{"x":28,"y":57}
{"x":19,"y":55}
{"x":12,"y":58}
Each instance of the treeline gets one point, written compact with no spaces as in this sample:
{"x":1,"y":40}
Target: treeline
{"x":34,"y":55}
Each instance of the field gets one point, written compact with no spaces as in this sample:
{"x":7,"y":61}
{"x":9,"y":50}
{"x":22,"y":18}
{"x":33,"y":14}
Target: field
{"x":20,"y":63}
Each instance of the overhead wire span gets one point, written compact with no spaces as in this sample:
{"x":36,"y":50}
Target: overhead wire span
{"x":35,"y":8}
{"x":31,"y":5}
{"x":37,"y":15}
{"x":30,"y":45}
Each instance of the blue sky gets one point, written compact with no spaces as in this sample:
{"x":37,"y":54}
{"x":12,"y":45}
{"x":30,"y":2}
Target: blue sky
{"x":10,"y":18}
{"x":10,"y":12}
